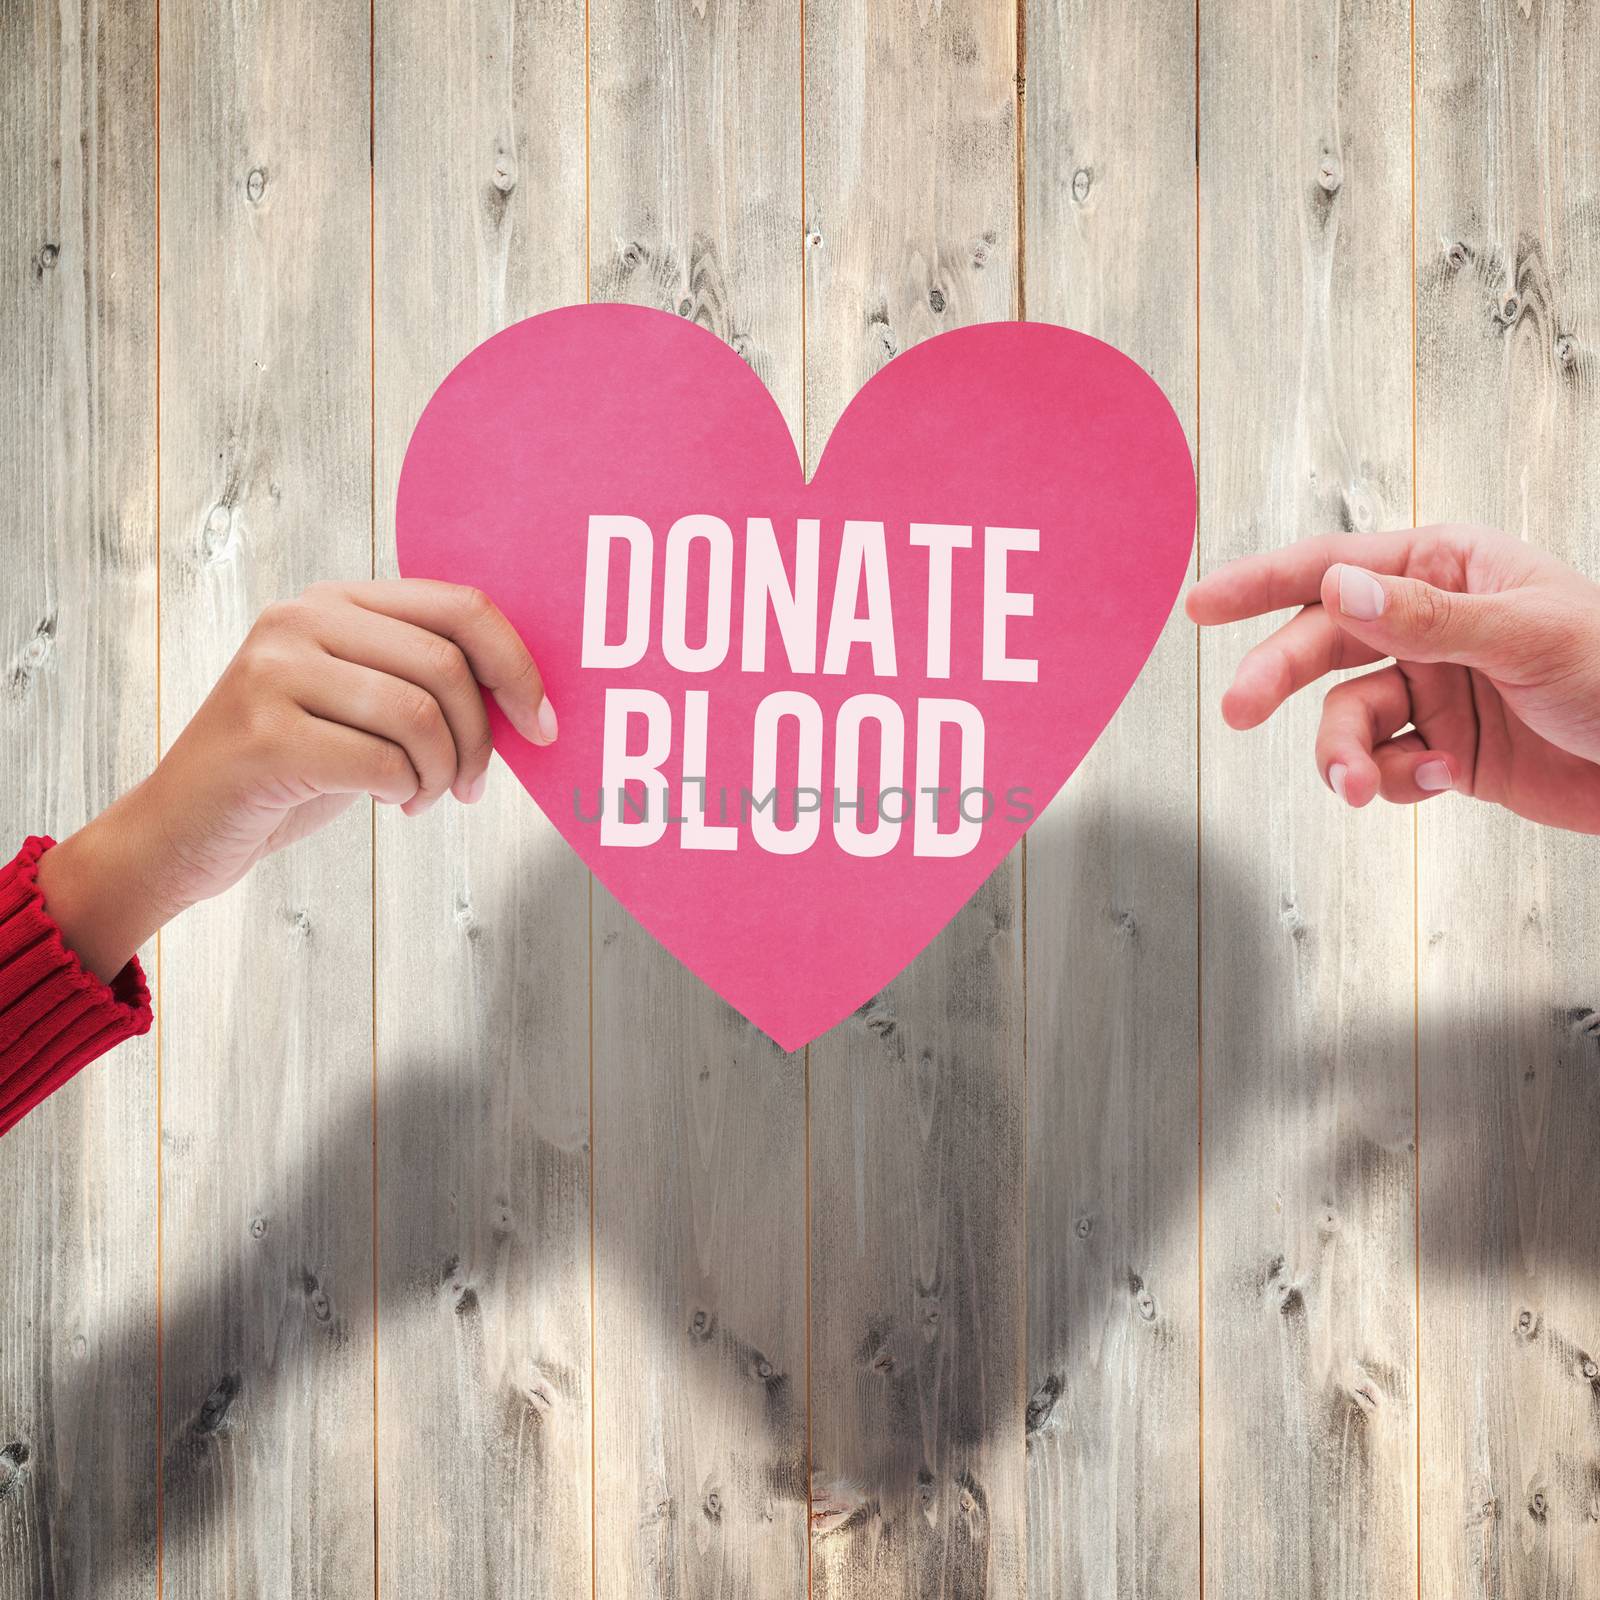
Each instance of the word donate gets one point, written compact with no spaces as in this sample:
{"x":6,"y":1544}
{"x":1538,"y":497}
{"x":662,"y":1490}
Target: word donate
{"x":802,"y":721}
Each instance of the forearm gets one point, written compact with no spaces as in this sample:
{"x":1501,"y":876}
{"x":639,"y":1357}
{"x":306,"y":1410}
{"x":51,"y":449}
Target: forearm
{"x":104,"y":886}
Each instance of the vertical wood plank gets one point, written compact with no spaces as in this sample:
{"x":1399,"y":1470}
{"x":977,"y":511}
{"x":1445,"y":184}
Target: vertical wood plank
{"x":1113,"y":1063}
{"x":700,"y":1373}
{"x":267,"y":1046}
{"x":1508,"y":306}
{"x":484,"y":1425}
{"x":917,"y":1102}
{"x":1306,"y":918}
{"x":78,"y":726}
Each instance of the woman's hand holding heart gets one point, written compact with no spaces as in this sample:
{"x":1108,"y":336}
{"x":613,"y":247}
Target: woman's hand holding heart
{"x":352,"y":689}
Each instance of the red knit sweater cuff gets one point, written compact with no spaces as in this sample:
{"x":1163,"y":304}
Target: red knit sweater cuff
{"x":55,"y":1015}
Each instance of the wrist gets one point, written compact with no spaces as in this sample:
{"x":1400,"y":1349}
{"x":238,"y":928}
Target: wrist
{"x":105,"y":886}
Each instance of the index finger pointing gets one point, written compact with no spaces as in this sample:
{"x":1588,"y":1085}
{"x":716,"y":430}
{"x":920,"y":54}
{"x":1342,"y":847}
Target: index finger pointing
{"x":1292,"y":576}
{"x":500,"y":661}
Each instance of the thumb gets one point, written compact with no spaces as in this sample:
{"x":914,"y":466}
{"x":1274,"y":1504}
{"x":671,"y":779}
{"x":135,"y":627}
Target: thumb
{"x":1414,"y":621}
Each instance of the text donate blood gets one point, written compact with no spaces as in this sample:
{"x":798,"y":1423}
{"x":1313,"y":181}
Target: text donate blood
{"x":879,"y":773}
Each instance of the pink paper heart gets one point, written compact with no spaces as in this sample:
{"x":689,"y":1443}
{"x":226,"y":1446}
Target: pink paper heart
{"x":613,"y":411}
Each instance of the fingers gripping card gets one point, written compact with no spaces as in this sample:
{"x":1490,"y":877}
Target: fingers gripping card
{"x":802,"y":722}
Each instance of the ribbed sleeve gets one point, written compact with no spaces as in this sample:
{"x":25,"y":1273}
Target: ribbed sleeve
{"x":55,"y":1016}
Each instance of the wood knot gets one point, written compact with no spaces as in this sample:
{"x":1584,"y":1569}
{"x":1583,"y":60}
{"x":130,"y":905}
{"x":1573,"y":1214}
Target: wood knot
{"x":1083,"y":1227}
{"x":1457,"y":256}
{"x":1041,"y":1403}
{"x":835,"y":1503}
{"x":1359,"y":515}
{"x":1538,"y":1506}
{"x":878,"y":1015}
{"x":1330,"y":174}
{"x":255,"y":185}
{"x":259,"y":1227}
{"x":214,"y":1409}
{"x":1527,"y":1324}
{"x":216,"y":538}
{"x":35,"y":653}
{"x":538,"y":1394}
{"x":13,"y":1464}
{"x":1286,"y":1294}
{"x":49,"y":254}
{"x":701,"y":1326}
{"x":1366,"y":1393}
{"x":504,"y":176}
{"x":1082,"y":182}
{"x":316,"y":1297}
{"x":936,"y":301}
{"x":1584,"y":1022}
{"x":1566,"y":352}
{"x":453,"y":1280}
{"x":1144,"y":1302}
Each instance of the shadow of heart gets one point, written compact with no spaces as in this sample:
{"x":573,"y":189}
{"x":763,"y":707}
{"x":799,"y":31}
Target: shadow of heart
{"x":459,"y":1271}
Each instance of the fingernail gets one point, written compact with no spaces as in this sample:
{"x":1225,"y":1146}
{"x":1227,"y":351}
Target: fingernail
{"x":547,"y":721}
{"x":1360,"y":594}
{"x":1336,"y":777}
{"x":473,"y":793}
{"x":1433,"y":776}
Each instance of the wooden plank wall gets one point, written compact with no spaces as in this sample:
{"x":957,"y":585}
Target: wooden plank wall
{"x":77,"y":726}
{"x":916,"y":1125}
{"x":266,"y":1187}
{"x":699,"y":1197}
{"x":1209,"y":1210}
{"x":481,"y":915}
{"x":1112,"y":1417}
{"x":1306,"y":915}
{"x":1508,"y":432}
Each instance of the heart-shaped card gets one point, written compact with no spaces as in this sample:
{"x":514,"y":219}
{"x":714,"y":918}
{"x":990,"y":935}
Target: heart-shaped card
{"x":802,"y":722}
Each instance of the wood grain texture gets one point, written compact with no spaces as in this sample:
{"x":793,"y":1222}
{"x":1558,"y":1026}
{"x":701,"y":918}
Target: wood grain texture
{"x":267,"y":1046}
{"x":700,"y":1377}
{"x":1113,"y":1052}
{"x":1306,"y":924}
{"x":1005,"y":1361}
{"x":917,"y":1102}
{"x":1508,"y":307}
{"x":484,"y":1426}
{"x":77,"y":726}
